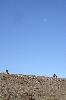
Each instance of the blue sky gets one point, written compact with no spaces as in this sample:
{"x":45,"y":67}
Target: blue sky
{"x":33,"y":37}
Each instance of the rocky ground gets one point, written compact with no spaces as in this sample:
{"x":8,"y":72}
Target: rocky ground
{"x":30,"y":87}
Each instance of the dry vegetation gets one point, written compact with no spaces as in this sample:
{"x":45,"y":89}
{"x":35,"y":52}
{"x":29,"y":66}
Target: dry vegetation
{"x":29,"y":87}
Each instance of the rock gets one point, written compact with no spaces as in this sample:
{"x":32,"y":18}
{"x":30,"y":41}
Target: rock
{"x":30,"y":87}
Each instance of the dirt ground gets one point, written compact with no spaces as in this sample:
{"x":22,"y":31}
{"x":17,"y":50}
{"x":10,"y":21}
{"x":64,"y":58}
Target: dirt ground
{"x":30,"y":87}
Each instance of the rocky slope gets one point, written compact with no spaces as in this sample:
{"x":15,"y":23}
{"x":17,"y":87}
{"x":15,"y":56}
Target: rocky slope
{"x":29,"y":87}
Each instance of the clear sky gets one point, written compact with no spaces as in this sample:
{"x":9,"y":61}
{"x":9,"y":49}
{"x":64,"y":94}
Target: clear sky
{"x":33,"y":36}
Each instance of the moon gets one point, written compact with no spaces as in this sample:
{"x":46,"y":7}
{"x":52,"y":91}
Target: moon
{"x":45,"y":20}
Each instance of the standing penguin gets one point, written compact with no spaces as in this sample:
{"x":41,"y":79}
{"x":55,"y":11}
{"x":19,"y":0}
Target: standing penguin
{"x":7,"y":71}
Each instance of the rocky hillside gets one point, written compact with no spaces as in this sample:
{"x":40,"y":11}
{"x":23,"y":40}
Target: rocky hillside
{"x":29,"y":87}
